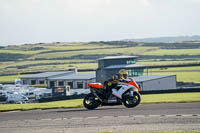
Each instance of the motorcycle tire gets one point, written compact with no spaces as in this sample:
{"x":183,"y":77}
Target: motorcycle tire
{"x":91,"y":101}
{"x":131,"y":101}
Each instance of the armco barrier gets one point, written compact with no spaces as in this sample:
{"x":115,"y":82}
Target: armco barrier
{"x":62,"y":98}
{"x":171,"y":91}
{"x":142,"y":92}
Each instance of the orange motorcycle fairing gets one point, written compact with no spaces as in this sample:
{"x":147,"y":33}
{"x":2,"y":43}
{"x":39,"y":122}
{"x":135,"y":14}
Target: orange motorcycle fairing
{"x":96,"y":85}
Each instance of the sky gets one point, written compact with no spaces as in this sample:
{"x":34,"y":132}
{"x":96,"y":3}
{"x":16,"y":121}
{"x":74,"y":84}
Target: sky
{"x":46,"y":21}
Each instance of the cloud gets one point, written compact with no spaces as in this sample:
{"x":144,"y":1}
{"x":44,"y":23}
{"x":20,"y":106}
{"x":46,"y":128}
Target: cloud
{"x":26,"y":21}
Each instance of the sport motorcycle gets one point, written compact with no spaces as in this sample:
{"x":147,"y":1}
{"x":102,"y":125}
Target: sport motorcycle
{"x":126,"y":93}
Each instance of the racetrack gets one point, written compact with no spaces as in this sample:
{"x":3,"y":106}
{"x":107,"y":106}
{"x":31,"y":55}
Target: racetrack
{"x":145,"y":117}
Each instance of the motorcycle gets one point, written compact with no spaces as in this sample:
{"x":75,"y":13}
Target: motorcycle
{"x":125,"y":93}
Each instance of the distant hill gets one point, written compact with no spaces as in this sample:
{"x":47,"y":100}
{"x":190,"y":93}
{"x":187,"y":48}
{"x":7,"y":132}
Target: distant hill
{"x":83,"y":55}
{"x":167,"y":39}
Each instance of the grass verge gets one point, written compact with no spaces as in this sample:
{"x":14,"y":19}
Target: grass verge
{"x":146,"y":99}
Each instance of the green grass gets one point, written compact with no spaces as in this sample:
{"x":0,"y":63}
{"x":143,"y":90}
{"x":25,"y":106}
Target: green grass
{"x":168,"y":62}
{"x":82,"y":49}
{"x":173,"y":52}
{"x":49,"y":105}
{"x":171,"y":97}
{"x":146,"y":99}
{"x":10,"y":67}
{"x":25,"y":52}
{"x":11,"y":78}
{"x":102,"y":51}
{"x":181,"y":76}
{"x":76,"y":46}
{"x":177,"y":69}
{"x":88,"y":50}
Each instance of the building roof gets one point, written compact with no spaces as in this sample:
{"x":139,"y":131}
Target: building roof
{"x":149,"y":77}
{"x":47,"y":74}
{"x":116,"y":57}
{"x":74,"y":76}
{"x":124,"y":66}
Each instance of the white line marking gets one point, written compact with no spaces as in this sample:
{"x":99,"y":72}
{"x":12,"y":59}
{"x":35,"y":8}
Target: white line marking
{"x":76,"y":118}
{"x":107,"y":116}
{"x":139,"y":116}
{"x":46,"y":119}
{"x":57,"y":119}
{"x":123,"y":116}
{"x":91,"y":117}
{"x":154,"y":115}
{"x":171,"y":115}
{"x":187,"y":115}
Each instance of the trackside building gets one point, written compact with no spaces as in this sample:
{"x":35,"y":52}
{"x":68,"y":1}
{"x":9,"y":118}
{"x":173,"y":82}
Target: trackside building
{"x":156,"y":82}
{"x":60,"y":79}
{"x":109,"y":66}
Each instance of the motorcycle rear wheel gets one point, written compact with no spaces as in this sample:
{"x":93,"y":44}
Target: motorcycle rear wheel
{"x":131,"y":101}
{"x":91,"y":101}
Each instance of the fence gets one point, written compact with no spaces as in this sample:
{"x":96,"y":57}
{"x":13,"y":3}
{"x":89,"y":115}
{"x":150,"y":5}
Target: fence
{"x":142,"y":92}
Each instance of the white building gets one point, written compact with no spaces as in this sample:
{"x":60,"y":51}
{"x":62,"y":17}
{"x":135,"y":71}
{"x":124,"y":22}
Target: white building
{"x":60,"y":79}
{"x":156,"y":82}
{"x":111,"y":65}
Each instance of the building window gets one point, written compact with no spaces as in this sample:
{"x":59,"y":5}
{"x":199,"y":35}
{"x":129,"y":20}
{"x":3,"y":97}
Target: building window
{"x":135,"y":72}
{"x":80,"y":85}
{"x":133,"y":61}
{"x":41,"y":82}
{"x":33,"y":82}
{"x":60,"y":83}
{"x":70,"y":84}
{"x":24,"y":82}
{"x":52,"y":84}
{"x":86,"y":85}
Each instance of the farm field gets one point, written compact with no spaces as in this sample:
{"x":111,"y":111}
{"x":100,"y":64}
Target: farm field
{"x":82,"y":55}
{"x":173,"y":52}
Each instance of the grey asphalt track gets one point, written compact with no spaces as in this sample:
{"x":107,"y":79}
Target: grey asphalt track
{"x":145,"y":117}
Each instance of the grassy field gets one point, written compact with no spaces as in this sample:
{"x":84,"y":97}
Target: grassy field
{"x":101,"y":51}
{"x":61,"y":56}
{"x":11,"y":78}
{"x":185,"y":74}
{"x":173,"y":52}
{"x":177,"y":69}
{"x":49,"y":105}
{"x":182,"y":76}
{"x":167,"y":62}
{"x":146,"y":99}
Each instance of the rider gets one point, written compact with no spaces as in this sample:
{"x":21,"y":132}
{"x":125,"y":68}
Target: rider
{"x":116,"y":79}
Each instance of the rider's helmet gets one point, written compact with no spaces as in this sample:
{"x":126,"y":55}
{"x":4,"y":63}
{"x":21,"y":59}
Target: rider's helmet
{"x":123,"y":73}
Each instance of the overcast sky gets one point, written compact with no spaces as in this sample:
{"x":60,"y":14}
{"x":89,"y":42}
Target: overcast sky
{"x":41,"y":21}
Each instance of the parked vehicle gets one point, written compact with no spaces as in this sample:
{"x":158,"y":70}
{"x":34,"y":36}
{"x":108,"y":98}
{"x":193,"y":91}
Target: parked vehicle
{"x":3,"y":96}
{"x":30,"y":95}
{"x":17,"y":98}
{"x":126,"y":93}
{"x":1,"y":86}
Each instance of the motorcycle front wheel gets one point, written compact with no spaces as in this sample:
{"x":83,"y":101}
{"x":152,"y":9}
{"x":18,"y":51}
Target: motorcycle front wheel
{"x":131,"y":101}
{"x":91,"y":101}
